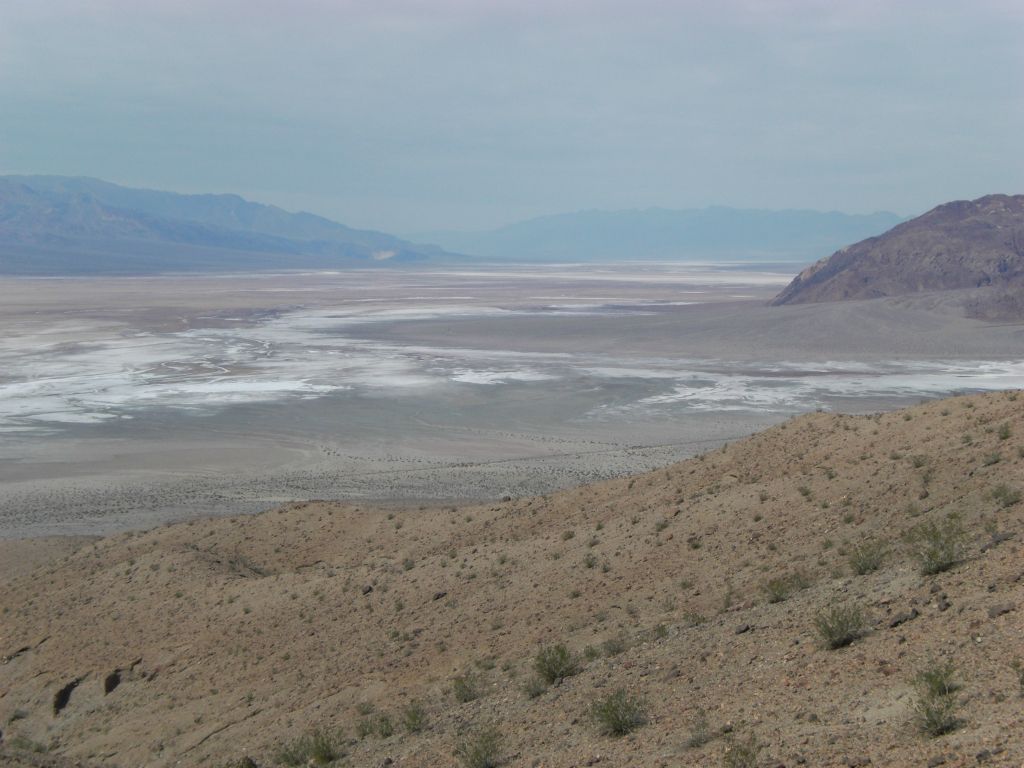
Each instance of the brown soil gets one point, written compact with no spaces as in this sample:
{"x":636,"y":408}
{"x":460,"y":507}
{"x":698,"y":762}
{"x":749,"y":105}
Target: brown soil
{"x":196,"y":644}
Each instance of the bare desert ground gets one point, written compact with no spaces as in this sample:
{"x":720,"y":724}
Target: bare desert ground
{"x":704,"y":590}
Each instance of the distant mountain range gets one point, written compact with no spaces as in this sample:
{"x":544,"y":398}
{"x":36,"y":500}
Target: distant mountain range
{"x":967,"y":244}
{"x":658,"y":233}
{"x":61,"y":225}
{"x":64,"y":225}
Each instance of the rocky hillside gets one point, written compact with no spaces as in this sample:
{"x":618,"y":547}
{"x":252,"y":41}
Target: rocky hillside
{"x":834,"y":591}
{"x":964,"y":244}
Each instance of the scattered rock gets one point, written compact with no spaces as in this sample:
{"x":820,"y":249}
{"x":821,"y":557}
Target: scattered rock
{"x":367,"y":589}
{"x":440,"y":594}
{"x":743,"y":628}
{"x":998,"y":610}
{"x":903,"y":618}
{"x":997,"y":539}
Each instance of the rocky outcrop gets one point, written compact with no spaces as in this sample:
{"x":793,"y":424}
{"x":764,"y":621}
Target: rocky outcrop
{"x":975,"y":244}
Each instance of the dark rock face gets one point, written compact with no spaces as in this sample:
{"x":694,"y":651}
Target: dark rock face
{"x":975,"y":244}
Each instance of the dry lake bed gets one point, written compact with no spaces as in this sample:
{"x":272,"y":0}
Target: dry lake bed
{"x":129,"y":402}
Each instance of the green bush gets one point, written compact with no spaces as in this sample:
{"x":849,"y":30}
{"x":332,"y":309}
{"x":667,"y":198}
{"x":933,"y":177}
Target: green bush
{"x":481,"y":748}
{"x":613,"y":646}
{"x":936,"y":704}
{"x":27,"y":745}
{"x":936,"y":715}
{"x":700,"y":731}
{"x":936,"y":679}
{"x":867,"y":556}
{"x":554,"y":663}
{"x":414,"y":717}
{"x":315,"y":748}
{"x":534,"y":686}
{"x":840,"y":625}
{"x":742,"y":754}
{"x":937,"y":546}
{"x":1005,"y":495}
{"x":619,"y":713}
{"x":466,"y":687}
{"x":782,"y":587}
{"x":1018,"y":666}
{"x":374,"y":725}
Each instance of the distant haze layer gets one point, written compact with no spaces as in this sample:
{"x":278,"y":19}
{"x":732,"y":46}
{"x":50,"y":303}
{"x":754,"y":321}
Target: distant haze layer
{"x":657,"y":233}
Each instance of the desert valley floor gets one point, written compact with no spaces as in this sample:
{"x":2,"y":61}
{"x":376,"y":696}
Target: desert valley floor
{"x":129,"y":402}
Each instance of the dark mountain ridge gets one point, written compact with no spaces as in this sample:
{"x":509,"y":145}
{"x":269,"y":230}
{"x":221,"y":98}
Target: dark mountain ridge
{"x":966,"y":244}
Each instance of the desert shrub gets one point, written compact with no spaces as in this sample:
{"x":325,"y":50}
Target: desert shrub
{"x":613,"y":646}
{"x":1018,"y":666}
{"x":379,"y":725}
{"x":590,"y":560}
{"x":619,"y":713}
{"x":992,"y":458}
{"x":318,"y":747}
{"x":466,"y":687}
{"x":414,"y":717}
{"x":936,"y":679}
{"x":27,"y":745}
{"x":937,"y":546}
{"x":840,"y":625}
{"x":742,"y":754}
{"x":1005,"y":495}
{"x":700,"y":731}
{"x":1004,"y":432}
{"x":534,"y":686}
{"x":385,"y":727}
{"x":936,"y":715}
{"x":481,"y":748}
{"x":554,"y":663}
{"x":783,"y":587}
{"x":936,"y":704}
{"x":694,"y":619}
{"x":867,"y":556}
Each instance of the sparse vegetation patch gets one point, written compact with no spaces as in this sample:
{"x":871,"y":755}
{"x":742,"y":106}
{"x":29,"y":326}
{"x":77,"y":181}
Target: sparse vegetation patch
{"x":937,"y":545}
{"x":840,"y":625}
{"x":619,"y":713}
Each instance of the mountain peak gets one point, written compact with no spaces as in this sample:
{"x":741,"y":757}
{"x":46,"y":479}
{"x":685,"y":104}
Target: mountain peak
{"x":957,"y":245}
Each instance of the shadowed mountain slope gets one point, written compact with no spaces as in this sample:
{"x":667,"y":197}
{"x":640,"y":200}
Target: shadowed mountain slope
{"x":975,"y":244}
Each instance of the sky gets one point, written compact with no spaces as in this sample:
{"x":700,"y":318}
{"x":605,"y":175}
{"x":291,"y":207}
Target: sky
{"x":412,"y":116}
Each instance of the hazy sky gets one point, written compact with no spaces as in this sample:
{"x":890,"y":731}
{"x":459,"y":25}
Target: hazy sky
{"x":462,"y":114}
